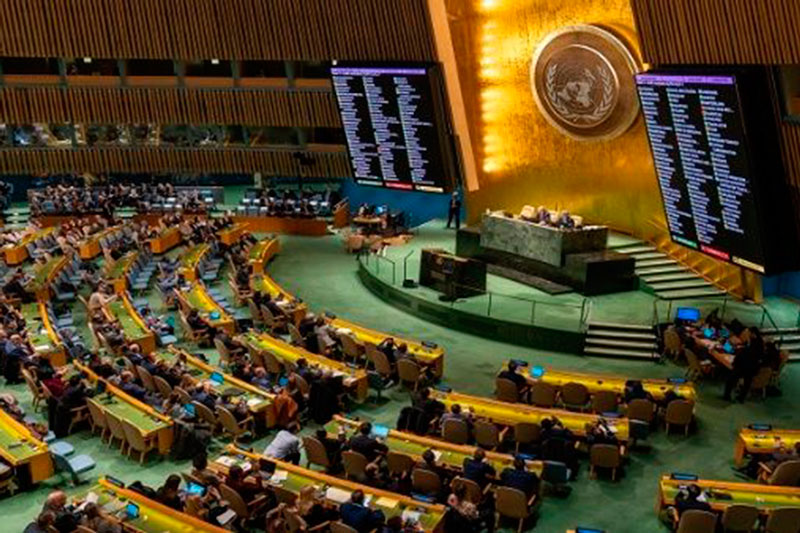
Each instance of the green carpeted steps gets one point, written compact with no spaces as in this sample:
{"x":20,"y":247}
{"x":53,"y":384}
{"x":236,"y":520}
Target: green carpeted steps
{"x":661,"y":275}
{"x":621,"y":340}
{"x":17,"y":217}
{"x":787,"y":339}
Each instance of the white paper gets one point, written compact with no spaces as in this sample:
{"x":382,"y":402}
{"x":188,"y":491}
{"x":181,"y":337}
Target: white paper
{"x":226,"y":461}
{"x":337,"y":495}
{"x":411,"y":516}
{"x":226,"y":517}
{"x":279,"y":475}
{"x":437,"y":454}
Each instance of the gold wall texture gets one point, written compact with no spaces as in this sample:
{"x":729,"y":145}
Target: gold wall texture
{"x":521,"y":158}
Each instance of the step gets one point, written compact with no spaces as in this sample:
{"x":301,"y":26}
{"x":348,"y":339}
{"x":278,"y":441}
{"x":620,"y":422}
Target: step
{"x":685,"y":274}
{"x":633,"y":345}
{"x":646,"y":256}
{"x":784,"y":331}
{"x":614,"y":325}
{"x":679,"y":284}
{"x":783,"y":337}
{"x":663,"y":261}
{"x":619,"y":334}
{"x":690,"y":293}
{"x":634,"y":249}
{"x":790,"y":346}
{"x":654,"y":271}
{"x":794,"y":358}
{"x":625,"y":354}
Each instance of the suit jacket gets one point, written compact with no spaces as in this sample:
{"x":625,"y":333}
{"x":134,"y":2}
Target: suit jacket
{"x":360,"y":518}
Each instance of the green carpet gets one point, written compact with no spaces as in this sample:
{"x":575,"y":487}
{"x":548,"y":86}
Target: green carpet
{"x":318,"y":271}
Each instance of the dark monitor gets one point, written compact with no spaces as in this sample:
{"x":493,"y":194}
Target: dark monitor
{"x":760,"y":427}
{"x":100,"y":387}
{"x":589,"y":530}
{"x":689,"y":314}
{"x":678,"y":476}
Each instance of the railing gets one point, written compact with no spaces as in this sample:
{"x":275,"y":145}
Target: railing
{"x":571,"y":316}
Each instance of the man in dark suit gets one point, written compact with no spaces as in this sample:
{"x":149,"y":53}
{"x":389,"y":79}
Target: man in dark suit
{"x":454,"y":211}
{"x":477,"y":469}
{"x":519,"y":478}
{"x":365,"y":444}
{"x":359,"y":517}
{"x":511,"y":374}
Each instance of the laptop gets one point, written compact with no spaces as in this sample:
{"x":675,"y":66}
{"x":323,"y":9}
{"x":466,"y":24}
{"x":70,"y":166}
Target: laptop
{"x":217,"y":378}
{"x":132,"y":511}
{"x":537,"y":371}
{"x":195,"y":489}
{"x":379,"y":431}
{"x":189,"y":410}
{"x":688,"y":314}
{"x":728,"y":347}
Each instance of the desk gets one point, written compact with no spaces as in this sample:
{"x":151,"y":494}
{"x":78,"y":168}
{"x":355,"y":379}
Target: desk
{"x":297,"y":477}
{"x":17,"y":254}
{"x":153,"y":516}
{"x":354,"y":379}
{"x":147,"y":420}
{"x":449,"y":454}
{"x":607,"y":382}
{"x":133,"y":327}
{"x":44,"y":276}
{"x":755,"y":442}
{"x":41,"y":334}
{"x":231,"y":235}
{"x":90,"y":247}
{"x":431,"y":356}
{"x":197,"y":298}
{"x":21,"y":449}
{"x":713,"y":347}
{"x":763,"y":497}
{"x":261,"y":253}
{"x":168,"y":239}
{"x":190,"y":259}
{"x":510,"y":414}
{"x":117,"y":272}
{"x":259,"y":402}
{"x":265,"y":284}
{"x":372,"y":224}
{"x":311,"y":227}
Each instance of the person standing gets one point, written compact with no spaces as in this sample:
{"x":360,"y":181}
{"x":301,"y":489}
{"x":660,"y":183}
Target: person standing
{"x":454,"y":210}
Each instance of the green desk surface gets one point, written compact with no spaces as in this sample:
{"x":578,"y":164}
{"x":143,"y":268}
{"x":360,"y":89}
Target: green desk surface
{"x":191,"y":257}
{"x":150,"y":520}
{"x":130,"y":326}
{"x":120,"y":267}
{"x":42,"y":274}
{"x":37,"y":333}
{"x":746,"y":496}
{"x":15,"y":444}
{"x":146,"y":422}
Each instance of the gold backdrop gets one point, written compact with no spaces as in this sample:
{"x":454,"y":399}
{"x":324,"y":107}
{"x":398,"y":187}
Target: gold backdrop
{"x":521,"y":159}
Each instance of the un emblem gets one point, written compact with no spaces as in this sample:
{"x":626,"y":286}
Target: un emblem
{"x":582,"y":78}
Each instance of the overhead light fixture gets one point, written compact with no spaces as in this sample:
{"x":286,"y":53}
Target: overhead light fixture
{"x":87,"y":59}
{"x":215,"y":61}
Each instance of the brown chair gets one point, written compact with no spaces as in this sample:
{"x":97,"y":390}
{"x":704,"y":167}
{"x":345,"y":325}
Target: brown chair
{"x":487,"y":435}
{"x":543,"y":394}
{"x":472,"y":489}
{"x":526,"y":433}
{"x":147,"y":378}
{"x":297,"y":338}
{"x":243,"y":510}
{"x":116,"y":431}
{"x":302,"y":384}
{"x":233,"y":427}
{"x":786,"y":474}
{"x":183,"y":395}
{"x":409,"y":372}
{"x":137,"y":442}
{"x":679,"y":413}
{"x":425,"y":481}
{"x":604,"y":456}
{"x":224,"y":353}
{"x":255,"y":313}
{"x":316,"y":453}
{"x":98,"y":419}
{"x":783,"y":520}
{"x":739,"y":519}
{"x":271,"y":364}
{"x":206,"y":415}
{"x":762,"y":381}
{"x":341,"y":527}
{"x":284,"y":495}
{"x":455,"y":431}
{"x":274,"y":323}
{"x":350,"y":347}
{"x":575,"y":396}
{"x":355,"y":465}
{"x":506,"y":390}
{"x":642,"y":410}
{"x":694,"y":521}
{"x":77,"y":416}
{"x":512,"y":503}
{"x":604,"y":401}
{"x":162,"y":386}
{"x":399,"y":463}
{"x":379,"y":360}
{"x":696,"y":370}
{"x":189,"y":334}
{"x":673,"y":347}
{"x":36,"y":390}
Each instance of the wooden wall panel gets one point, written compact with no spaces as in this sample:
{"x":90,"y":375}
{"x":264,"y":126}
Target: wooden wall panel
{"x":718,"y":31}
{"x":168,"y":106}
{"x":229,"y":160}
{"x":225,"y":29}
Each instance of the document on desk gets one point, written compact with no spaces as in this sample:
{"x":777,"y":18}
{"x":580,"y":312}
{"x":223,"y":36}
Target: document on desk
{"x":279,"y":476}
{"x":411,"y":516}
{"x":337,"y":495}
{"x":387,"y":503}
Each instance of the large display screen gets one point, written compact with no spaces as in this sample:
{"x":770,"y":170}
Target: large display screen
{"x":395,"y":125}
{"x":703,"y":160}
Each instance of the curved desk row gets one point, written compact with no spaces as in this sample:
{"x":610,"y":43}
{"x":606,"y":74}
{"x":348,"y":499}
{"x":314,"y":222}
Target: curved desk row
{"x":43,"y":338}
{"x":190,"y":260}
{"x":23,"y":451}
{"x":117,"y":272}
{"x":261,"y":253}
{"x":198,"y":298}
{"x":168,"y":239}
{"x":763,"y":441}
{"x":44,"y":276}
{"x":231,"y":235}
{"x":91,"y":247}
{"x":16,"y":254}
{"x":723,"y":494}
{"x":133,"y":327}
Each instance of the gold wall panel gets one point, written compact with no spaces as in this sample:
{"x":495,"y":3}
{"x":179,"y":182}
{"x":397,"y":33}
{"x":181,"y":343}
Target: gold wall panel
{"x":522,"y":159}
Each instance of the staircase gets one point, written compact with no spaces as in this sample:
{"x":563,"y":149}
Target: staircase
{"x":625,"y":341}
{"x":662,"y":275}
{"x":787,"y":339}
{"x":16,"y":217}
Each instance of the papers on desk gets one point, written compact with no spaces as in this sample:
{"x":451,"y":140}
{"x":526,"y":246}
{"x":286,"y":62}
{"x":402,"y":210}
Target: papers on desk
{"x":253,"y":401}
{"x":337,"y":495}
{"x":91,"y":497}
{"x":338,"y":373}
{"x":437,"y":454}
{"x":387,"y":503}
{"x":41,"y":348}
{"x":226,"y":517}
{"x":411,"y":516}
{"x":226,"y":461}
{"x":279,"y":476}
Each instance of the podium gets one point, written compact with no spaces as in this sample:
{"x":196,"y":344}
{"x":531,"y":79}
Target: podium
{"x":455,"y":277}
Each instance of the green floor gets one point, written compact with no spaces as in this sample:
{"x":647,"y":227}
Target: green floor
{"x":318,"y":271}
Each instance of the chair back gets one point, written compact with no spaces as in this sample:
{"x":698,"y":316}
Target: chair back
{"x":605,"y":456}
{"x":695,"y":521}
{"x":604,"y":401}
{"x":32,"y":386}
{"x":695,"y":370}
{"x":255,"y":313}
{"x":235,"y":501}
{"x":642,"y":410}
{"x":574,"y":395}
{"x":399,"y":463}
{"x":786,"y":474}
{"x":147,"y":378}
{"x":739,"y":518}
{"x":425,"y":481}
{"x":224,"y":353}
{"x":134,"y":437}
{"x":162,"y":386}
{"x":302,"y":384}
{"x":294,"y":333}
{"x":355,"y":464}
{"x":408,"y":370}
{"x":228,"y":422}
{"x":486,"y":434}
{"x":472,"y":489}
{"x":183,"y":395}
{"x":679,"y":412}
{"x":456,"y":431}
{"x":271,"y":363}
{"x":115,"y":426}
{"x":672,"y":342}
{"x":98,"y":417}
{"x":783,"y":520}
{"x":341,"y":527}
{"x":284,"y":495}
{"x":543,"y":394}
{"x":762,"y":380}
{"x":205,"y":414}
{"x":315,"y":452}
{"x":506,"y":390}
{"x":511,"y":502}
{"x":378,"y":359}
{"x":351,"y":348}
{"x":527,"y":432}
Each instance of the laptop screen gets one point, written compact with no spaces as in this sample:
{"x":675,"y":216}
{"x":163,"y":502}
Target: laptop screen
{"x":690,"y":314}
{"x":189,"y":408}
{"x":132,"y":510}
{"x":195,"y":488}
{"x":380,"y":431}
{"x":217,"y":378}
{"x":677,"y":476}
{"x":537,"y":371}
{"x":588,"y":530}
